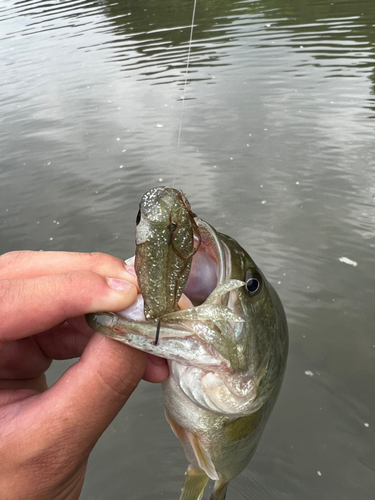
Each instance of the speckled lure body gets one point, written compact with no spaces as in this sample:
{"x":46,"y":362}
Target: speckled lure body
{"x":165,"y":247}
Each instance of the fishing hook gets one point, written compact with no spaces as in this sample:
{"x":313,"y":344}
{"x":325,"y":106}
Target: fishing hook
{"x":157,"y":332}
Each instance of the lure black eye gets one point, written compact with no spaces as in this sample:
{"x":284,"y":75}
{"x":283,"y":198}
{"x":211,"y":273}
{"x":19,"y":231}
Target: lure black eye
{"x":138,"y":219}
{"x":171,"y":228}
{"x":253,"y":282}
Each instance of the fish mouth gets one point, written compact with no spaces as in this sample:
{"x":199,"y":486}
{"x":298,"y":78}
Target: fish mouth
{"x":210,"y":265}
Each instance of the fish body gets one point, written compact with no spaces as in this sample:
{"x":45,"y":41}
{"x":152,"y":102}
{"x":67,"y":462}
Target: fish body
{"x":227,"y":352}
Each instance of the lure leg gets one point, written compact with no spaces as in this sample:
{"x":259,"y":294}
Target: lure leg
{"x":220,"y":490}
{"x":194,"y":484}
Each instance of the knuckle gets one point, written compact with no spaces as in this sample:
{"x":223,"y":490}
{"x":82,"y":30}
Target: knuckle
{"x":15,"y":257}
{"x":9,"y":299}
{"x":98,"y":257}
{"x":69,"y":285}
{"x":120,"y":386}
{"x":78,"y":288}
{"x":5,"y":287}
{"x":102,"y":262}
{"x":78,"y":278}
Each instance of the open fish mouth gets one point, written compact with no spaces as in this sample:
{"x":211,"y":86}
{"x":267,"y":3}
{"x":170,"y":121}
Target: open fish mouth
{"x":211,"y":264}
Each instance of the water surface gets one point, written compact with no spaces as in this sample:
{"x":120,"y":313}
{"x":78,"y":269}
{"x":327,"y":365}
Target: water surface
{"x":276,"y":149}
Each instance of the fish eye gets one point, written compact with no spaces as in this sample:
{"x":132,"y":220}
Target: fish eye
{"x":253,"y":282}
{"x":138,"y":219}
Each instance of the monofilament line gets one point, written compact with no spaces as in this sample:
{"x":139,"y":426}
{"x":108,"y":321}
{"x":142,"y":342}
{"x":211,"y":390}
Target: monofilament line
{"x":186,"y":76}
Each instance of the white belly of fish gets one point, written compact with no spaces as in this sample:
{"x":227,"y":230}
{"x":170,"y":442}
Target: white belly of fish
{"x":192,"y":420}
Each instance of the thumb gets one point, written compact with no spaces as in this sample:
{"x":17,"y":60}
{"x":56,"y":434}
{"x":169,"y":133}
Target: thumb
{"x":85,"y":400}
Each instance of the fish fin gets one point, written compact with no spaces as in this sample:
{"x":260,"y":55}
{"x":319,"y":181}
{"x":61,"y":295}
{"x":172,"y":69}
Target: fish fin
{"x":220,"y":490}
{"x":194,"y":484}
{"x":202,"y":456}
{"x":178,"y":431}
{"x":243,"y":427}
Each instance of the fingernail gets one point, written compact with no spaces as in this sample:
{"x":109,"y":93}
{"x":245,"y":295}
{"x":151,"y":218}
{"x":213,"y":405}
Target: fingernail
{"x":119,"y":285}
{"x":130,"y":270}
{"x":130,"y":261}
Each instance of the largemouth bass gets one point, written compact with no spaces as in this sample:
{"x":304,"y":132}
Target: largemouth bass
{"x":227,"y":350}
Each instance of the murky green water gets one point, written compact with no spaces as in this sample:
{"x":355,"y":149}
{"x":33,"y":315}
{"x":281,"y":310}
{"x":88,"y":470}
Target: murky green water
{"x":277,"y":149}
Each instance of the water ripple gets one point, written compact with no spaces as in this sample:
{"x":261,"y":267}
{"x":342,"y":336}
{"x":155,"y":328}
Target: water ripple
{"x":340,"y":44}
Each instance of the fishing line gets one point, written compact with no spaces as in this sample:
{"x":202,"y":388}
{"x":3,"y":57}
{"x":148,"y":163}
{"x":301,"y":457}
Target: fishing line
{"x":185,"y":82}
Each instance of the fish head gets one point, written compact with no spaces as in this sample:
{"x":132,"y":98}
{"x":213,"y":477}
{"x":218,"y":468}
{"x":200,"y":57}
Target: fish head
{"x":262,"y":333}
{"x":234,"y":334}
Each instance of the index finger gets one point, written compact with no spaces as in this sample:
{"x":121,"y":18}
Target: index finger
{"x":31,"y":264}
{"x":33,"y":305}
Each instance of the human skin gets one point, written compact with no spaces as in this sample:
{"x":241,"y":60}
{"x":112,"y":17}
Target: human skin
{"x":47,"y":434}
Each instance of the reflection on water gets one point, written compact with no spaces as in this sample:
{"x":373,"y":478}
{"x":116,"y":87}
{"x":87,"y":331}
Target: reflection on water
{"x":277,"y":149}
{"x":149,"y":39}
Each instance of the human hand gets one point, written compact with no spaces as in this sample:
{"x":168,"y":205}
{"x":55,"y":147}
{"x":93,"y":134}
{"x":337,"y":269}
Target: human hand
{"x":47,"y":434}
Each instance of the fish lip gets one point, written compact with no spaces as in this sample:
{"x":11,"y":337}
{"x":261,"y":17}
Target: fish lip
{"x":210,"y":239}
